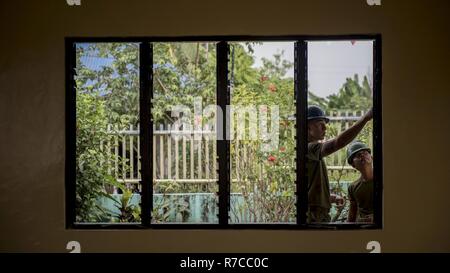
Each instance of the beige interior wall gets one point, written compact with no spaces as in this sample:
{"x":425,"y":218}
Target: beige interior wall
{"x":416,"y":109}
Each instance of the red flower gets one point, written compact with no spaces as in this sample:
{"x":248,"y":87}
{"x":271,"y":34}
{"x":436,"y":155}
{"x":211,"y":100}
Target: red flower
{"x":272,"y":87}
{"x":271,"y":158}
{"x":264,"y":78}
{"x":282,"y":149}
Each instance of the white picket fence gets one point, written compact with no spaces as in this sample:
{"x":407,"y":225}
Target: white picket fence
{"x":190,"y":161}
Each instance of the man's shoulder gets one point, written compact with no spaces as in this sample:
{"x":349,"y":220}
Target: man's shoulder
{"x":354,"y":184}
{"x":314,"y":144}
{"x":314,"y":148}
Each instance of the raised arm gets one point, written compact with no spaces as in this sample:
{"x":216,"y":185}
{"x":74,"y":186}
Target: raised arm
{"x":347,"y":136}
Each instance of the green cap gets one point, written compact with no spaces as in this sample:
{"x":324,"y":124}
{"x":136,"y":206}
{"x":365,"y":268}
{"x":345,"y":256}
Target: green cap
{"x":353,"y":148}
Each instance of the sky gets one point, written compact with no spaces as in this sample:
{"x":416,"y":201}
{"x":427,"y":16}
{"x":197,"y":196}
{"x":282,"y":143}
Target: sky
{"x":329,"y":63}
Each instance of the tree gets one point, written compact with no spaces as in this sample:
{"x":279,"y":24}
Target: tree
{"x":352,"y":96}
{"x":112,"y":77}
{"x":182,"y":72}
{"x":316,"y":100}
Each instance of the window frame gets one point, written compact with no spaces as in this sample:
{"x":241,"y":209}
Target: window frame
{"x":223,"y":144}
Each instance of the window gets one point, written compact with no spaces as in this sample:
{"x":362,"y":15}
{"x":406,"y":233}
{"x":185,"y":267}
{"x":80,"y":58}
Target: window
{"x":217,"y":132}
{"x":262,"y":133}
{"x":340,"y":78}
{"x":184,"y":136}
{"x":107,"y":132}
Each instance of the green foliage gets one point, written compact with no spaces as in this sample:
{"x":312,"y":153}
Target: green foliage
{"x":116,"y":81}
{"x":266,"y":178}
{"x":128,"y":212}
{"x":169,"y":205}
{"x":316,"y":100}
{"x":266,"y":182}
{"x":91,"y":171}
{"x":352,"y":95}
{"x":182,"y":71}
{"x":106,"y":95}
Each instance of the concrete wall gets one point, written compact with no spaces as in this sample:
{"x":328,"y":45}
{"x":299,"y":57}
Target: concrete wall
{"x":416,"y":108}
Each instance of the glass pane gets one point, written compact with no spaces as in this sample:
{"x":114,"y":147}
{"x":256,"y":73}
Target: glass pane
{"x":263,"y":133}
{"x":340,"y":84}
{"x":107,"y":124}
{"x":184,"y":136}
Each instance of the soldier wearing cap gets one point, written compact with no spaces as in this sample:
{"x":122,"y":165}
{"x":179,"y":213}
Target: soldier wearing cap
{"x":319,"y":197}
{"x":360,"y":192}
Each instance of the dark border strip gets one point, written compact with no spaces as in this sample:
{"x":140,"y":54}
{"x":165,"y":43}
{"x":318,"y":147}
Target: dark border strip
{"x":301,"y":103}
{"x":70,"y":163}
{"x":377,"y":133}
{"x":146,"y":93}
{"x":223,"y":147}
{"x":228,"y":38}
{"x":256,"y":226}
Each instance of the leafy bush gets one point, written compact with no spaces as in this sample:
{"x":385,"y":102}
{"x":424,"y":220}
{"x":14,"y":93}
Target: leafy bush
{"x":91,"y":164}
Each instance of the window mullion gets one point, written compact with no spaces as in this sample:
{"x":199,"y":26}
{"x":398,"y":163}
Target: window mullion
{"x":71,"y":158}
{"x":223,"y":139}
{"x":377,"y":134}
{"x":146,"y":125}
{"x":301,"y":97}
